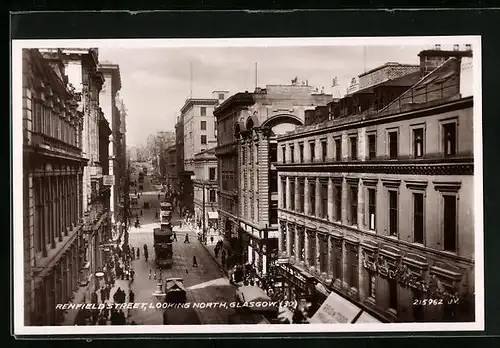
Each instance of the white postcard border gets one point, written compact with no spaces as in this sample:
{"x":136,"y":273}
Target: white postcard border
{"x":17,"y":195}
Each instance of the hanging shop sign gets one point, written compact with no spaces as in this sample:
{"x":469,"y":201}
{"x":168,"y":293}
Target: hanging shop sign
{"x":108,"y":180}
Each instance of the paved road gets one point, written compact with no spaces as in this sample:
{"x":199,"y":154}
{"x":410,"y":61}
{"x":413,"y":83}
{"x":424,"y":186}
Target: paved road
{"x":205,"y":283}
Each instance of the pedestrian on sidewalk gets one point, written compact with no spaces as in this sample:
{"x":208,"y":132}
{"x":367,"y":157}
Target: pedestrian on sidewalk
{"x":195,"y":263}
{"x":149,"y":275}
{"x":138,"y":253}
{"x":186,"y":240}
{"x":175,"y":236}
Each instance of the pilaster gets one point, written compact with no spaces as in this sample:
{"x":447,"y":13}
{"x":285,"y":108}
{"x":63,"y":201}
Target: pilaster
{"x":330,"y":200}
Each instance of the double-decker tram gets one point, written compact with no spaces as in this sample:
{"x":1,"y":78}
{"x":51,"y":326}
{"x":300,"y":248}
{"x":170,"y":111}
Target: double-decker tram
{"x":163,"y":237}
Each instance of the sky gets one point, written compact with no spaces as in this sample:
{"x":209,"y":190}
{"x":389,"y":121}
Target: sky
{"x":156,"y":81}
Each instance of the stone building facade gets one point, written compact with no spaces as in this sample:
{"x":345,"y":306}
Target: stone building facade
{"x":380,"y":209}
{"x":205,"y":190}
{"x":109,"y":107}
{"x":276,"y":109}
{"x":54,"y":239}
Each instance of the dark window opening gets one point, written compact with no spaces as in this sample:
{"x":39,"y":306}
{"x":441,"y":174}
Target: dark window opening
{"x":393,"y":294}
{"x":212,"y":196}
{"x":450,"y":223}
{"x":393,"y":145}
{"x":273,"y":152}
{"x":354,"y":205}
{"x":312,"y":195}
{"x":418,"y":217}
{"x":301,"y":153}
{"x":372,"y":146}
{"x":203,"y":125}
{"x":393,"y":213}
{"x":324,"y":200}
{"x":338,"y":203}
{"x":301,"y":196}
{"x":354,"y":148}
{"x":203,"y":111}
{"x":292,"y":149}
{"x":273,"y":181}
{"x":292,"y":194}
{"x":211,"y":173}
{"x":323,"y":150}
{"x":312,"y":147}
{"x":273,"y":213}
{"x":338,"y":150}
{"x":203,"y":139}
{"x":283,"y":150}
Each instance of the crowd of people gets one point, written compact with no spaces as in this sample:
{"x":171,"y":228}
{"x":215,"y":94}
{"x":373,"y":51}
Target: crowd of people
{"x":118,"y":266}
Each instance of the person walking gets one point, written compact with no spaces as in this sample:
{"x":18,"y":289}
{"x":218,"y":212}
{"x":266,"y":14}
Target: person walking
{"x":138,"y":253}
{"x":186,"y":239}
{"x":175,"y":236}
{"x":195,"y":262}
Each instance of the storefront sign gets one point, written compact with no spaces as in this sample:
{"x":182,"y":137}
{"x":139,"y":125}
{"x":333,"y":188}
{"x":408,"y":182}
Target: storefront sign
{"x":335,"y":310}
{"x":108,"y":180}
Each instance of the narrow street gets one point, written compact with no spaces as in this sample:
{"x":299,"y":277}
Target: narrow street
{"x":205,"y":283}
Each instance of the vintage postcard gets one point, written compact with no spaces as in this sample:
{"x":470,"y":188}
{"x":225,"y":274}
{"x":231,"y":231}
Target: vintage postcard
{"x":247,"y":185}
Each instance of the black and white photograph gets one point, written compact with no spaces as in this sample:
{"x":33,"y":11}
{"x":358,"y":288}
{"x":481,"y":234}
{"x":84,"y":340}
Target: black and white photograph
{"x":247,"y":185}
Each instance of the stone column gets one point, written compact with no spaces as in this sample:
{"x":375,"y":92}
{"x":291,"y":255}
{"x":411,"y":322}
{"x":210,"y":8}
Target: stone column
{"x":281,"y":224}
{"x":330,"y":200}
{"x":66,"y":205}
{"x":52,"y":220}
{"x":361,"y":205}
{"x":317,"y":201}
{"x":306,"y":196}
{"x":344,"y":201}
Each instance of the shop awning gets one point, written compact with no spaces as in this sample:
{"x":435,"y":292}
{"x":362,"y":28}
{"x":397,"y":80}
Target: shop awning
{"x":336,"y":310}
{"x":213,"y":214}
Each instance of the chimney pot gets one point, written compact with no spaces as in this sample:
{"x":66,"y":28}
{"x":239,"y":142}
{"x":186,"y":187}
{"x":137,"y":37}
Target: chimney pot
{"x":437,"y":47}
{"x":456,"y":47}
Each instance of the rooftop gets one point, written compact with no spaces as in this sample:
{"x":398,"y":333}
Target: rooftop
{"x":388,"y":64}
{"x":197,"y":101}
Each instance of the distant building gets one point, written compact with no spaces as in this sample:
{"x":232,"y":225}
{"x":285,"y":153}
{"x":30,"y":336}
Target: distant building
{"x":205,"y":190}
{"x":376,"y":205}
{"x":171,"y":168}
{"x":199,"y":134}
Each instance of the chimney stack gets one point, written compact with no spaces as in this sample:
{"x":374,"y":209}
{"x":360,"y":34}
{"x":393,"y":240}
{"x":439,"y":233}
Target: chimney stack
{"x":456,"y":48}
{"x":437,"y":47}
{"x":468,"y":47}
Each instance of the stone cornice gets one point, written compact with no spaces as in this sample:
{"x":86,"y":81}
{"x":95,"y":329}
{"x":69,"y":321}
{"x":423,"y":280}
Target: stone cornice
{"x":463,"y":166}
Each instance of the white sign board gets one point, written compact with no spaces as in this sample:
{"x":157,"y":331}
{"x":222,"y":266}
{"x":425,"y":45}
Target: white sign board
{"x":108,"y":180}
{"x":335,"y":310}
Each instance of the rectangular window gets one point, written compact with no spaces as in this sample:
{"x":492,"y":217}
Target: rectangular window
{"x":418,"y":142}
{"x":393,"y":145}
{"x":283,"y":193}
{"x":312,"y":148}
{"x":212,"y":196}
{"x":221,"y":96}
{"x":393,"y":294}
{"x":283,"y":150}
{"x":450,"y":223}
{"x":211,"y":173}
{"x":273,"y":152}
{"x":324,"y":200}
{"x":301,"y":196}
{"x":353,"y":265}
{"x":372,"y":208}
{"x":372,"y":146}
{"x":301,"y":153}
{"x":338,"y":149}
{"x":203,"y":139}
{"x":203,"y":111}
{"x":418,"y":218}
{"x":312,"y":195}
{"x":338,"y":203}
{"x":393,"y":213}
{"x":292,"y":194}
{"x":354,"y":148}
{"x":354,"y":205}
{"x":273,"y":181}
{"x":203,"y":125}
{"x":450,"y":139}
{"x":292,"y":150}
{"x":273,"y":213}
{"x":323,"y":150}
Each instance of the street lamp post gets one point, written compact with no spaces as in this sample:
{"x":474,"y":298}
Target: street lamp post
{"x":204,"y":231}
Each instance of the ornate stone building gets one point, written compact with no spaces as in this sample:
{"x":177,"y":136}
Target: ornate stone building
{"x":376,"y":205}
{"x":205,"y":191}
{"x":275,"y":110}
{"x":54,"y":239}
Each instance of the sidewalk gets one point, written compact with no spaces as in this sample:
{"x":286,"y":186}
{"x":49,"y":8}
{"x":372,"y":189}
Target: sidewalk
{"x":70,"y":314}
{"x":210,"y":248}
